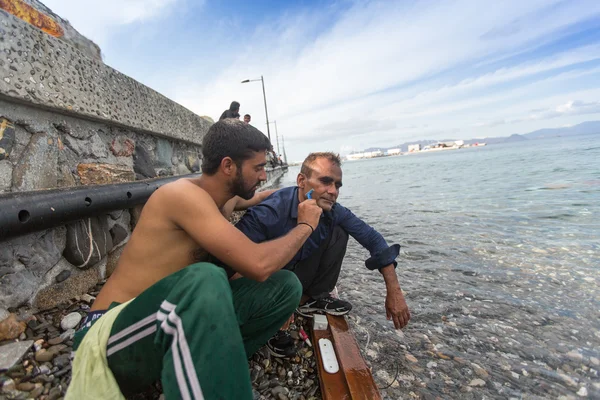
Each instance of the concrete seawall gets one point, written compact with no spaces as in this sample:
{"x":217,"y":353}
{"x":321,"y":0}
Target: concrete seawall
{"x":66,"y":120}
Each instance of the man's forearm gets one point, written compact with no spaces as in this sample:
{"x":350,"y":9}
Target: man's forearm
{"x":390,"y":277}
{"x":242,"y":204}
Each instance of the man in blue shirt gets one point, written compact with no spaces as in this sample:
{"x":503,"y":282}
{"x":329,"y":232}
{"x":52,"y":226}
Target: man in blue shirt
{"x":319,"y":261}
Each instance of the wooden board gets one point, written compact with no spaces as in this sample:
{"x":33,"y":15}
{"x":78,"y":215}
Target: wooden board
{"x":333,"y":386}
{"x":354,"y":381}
{"x":358,"y":376}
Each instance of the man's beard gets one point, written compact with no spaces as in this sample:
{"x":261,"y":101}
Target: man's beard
{"x":239,"y":189}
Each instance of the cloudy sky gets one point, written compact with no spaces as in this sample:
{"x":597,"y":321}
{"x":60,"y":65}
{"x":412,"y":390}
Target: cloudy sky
{"x":345,"y":75}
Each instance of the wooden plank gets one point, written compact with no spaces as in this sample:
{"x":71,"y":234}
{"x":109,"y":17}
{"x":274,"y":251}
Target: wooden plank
{"x":333,"y":386}
{"x":358,"y":376}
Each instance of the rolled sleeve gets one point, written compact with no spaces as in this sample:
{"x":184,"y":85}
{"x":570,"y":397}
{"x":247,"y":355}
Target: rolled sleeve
{"x":381,"y":254}
{"x":384,"y":258}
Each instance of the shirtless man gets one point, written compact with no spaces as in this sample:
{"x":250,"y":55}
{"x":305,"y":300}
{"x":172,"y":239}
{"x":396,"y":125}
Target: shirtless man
{"x":184,"y":323}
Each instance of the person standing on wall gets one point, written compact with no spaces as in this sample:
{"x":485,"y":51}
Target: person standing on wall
{"x":233,"y":112}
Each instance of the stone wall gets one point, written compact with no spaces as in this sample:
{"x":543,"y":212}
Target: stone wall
{"x":66,"y":120}
{"x":43,"y":150}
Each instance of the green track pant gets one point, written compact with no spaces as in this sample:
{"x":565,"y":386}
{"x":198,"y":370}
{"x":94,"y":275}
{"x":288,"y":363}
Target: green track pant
{"x":194,"y":330}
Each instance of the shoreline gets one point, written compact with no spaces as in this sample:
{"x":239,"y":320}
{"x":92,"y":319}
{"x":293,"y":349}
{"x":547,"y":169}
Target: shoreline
{"x":44,"y":372}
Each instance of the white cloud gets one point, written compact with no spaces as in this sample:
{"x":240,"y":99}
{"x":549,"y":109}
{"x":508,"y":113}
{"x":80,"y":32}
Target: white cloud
{"x":573,"y":107}
{"x":385,"y":65}
{"x":377,"y":73}
{"x":96,"y":19}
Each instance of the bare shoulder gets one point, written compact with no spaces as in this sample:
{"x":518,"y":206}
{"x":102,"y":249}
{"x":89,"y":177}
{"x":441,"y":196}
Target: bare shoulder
{"x":183,"y":197}
{"x":181,"y":191}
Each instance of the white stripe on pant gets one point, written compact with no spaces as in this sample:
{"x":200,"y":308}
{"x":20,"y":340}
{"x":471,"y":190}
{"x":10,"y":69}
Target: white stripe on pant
{"x":179,"y":344}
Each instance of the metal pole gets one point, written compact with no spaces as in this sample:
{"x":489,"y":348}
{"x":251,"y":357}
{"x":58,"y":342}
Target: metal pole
{"x":276,"y":136}
{"x":283,"y":145}
{"x":266,"y":113}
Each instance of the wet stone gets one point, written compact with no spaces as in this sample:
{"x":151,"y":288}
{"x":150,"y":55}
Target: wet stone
{"x":62,"y":276}
{"x":70,"y":321}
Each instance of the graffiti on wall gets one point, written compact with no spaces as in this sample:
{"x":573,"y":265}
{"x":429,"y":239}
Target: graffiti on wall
{"x":27,"y":13}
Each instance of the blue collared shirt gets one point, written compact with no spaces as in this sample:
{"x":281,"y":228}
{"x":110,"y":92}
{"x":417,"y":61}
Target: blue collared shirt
{"x":278,"y":214}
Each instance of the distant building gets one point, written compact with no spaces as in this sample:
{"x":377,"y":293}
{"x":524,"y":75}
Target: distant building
{"x":355,"y":156}
{"x":376,"y":153}
{"x":414,"y":147}
{"x":393,"y":152}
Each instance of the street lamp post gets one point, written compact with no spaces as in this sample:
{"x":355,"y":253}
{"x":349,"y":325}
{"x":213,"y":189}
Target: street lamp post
{"x":265,"y":98}
{"x":276,"y":135}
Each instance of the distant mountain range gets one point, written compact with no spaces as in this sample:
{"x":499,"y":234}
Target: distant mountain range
{"x":584,"y":128}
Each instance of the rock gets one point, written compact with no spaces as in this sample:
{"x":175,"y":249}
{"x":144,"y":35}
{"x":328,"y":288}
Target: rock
{"x":7,"y":138}
{"x":88,"y":241}
{"x":192,"y":162}
{"x":56,"y":340}
{"x":93,"y":147}
{"x":62,"y":360}
{"x":26,"y":386}
{"x":118,"y":234}
{"x":6,"y":171}
{"x":7,"y":385}
{"x":101,"y":174}
{"x":76,"y":285}
{"x":255,"y":373}
{"x":181,"y":169}
{"x":11,"y":353}
{"x":43,"y":355}
{"x":113,"y":260}
{"x":62,"y":276}
{"x":122,"y":146}
{"x":115,"y":215}
{"x":66,"y":177}
{"x":480,"y":372}
{"x":37,"y":392}
{"x":11,"y":328}
{"x":87,"y":298}
{"x":477,"y":383}
{"x":3,"y":314}
{"x":164,"y":153}
{"x":70,"y":321}
{"x":411,"y":358}
{"x":567,"y":379}
{"x":37,"y":167}
{"x":68,"y":334}
{"x":142,"y":163}
{"x":55,"y":393}
{"x":582,"y":392}
{"x":24,"y":260}
{"x":56,"y":349}
{"x":575,"y":356}
{"x":135,"y":213}
{"x":279,"y":389}
{"x":431,"y":364}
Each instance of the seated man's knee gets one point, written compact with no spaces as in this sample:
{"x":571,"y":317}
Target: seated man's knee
{"x":339,"y":237}
{"x":289,"y":283}
{"x":340,"y":233}
{"x":204,"y":272}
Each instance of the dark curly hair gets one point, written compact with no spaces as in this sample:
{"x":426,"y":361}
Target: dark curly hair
{"x":231,"y":138}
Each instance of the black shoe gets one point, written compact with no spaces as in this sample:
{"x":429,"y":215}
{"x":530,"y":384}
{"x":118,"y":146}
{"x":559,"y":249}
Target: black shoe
{"x":282,"y":345}
{"x":327,"y":304}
